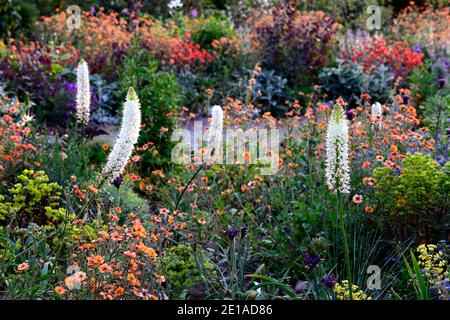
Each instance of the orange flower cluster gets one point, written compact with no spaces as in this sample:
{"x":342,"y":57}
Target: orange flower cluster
{"x":106,"y":37}
{"x":118,"y":263}
{"x":426,"y":26}
{"x":15,"y":148}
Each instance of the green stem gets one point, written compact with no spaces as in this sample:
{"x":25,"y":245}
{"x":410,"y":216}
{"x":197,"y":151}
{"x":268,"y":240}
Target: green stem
{"x":187,"y":185}
{"x":346,"y":251}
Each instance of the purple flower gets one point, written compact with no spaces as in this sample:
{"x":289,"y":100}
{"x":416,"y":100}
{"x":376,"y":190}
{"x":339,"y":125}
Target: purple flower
{"x":350,"y":114}
{"x":329,"y":281}
{"x":232,"y":232}
{"x":70,"y":87}
{"x":417,"y":48}
{"x":194,"y":12}
{"x":441,"y":83}
{"x":72,"y":106}
{"x":287,"y":230}
{"x":405,"y":99}
{"x":117,"y":182}
{"x":244,"y":231}
{"x":310,"y":260}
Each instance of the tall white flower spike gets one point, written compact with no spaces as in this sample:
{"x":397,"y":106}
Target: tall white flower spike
{"x":128,"y":137}
{"x":83,"y":93}
{"x":337,"y":169}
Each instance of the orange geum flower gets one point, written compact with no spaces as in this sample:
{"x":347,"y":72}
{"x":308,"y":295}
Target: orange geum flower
{"x":160,"y":278}
{"x":130,"y":254}
{"x":133,"y":280}
{"x":104,"y":268}
{"x":60,"y":290}
{"x":164,"y":211}
{"x":118,"y":292}
{"x":95,"y":260}
{"x":368,"y":209}
{"x":357,"y":198}
{"x":394,"y":149}
{"x":23,"y":267}
{"x":93,"y":189}
{"x":86,"y":246}
{"x":139,"y":229}
{"x":104,"y":234}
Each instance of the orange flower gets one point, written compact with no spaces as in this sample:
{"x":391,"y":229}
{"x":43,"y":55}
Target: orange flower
{"x":159,"y":278}
{"x":368,"y":209}
{"x":93,"y":189}
{"x":133,"y":280}
{"x":60,"y":290}
{"x":139,"y":229}
{"x":105,"y":146}
{"x":130,"y":254}
{"x":23,"y":267}
{"x":394,"y":149}
{"x":164,"y":211}
{"x":201,"y":221}
{"x":95,"y":260}
{"x":357,"y":198}
{"x":149,"y":251}
{"x":104,"y":268}
{"x":119,"y":291}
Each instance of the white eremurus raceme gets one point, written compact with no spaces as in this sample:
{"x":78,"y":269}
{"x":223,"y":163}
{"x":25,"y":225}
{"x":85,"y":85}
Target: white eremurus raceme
{"x":128,"y":137}
{"x":83,"y":93}
{"x":337,"y":169}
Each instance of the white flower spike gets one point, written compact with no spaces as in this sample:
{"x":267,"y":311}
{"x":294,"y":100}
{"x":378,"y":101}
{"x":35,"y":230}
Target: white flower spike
{"x":337,"y":170}
{"x":128,"y":137}
{"x":83,"y":93}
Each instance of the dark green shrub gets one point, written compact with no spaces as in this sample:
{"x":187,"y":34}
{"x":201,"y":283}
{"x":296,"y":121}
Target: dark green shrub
{"x":181,"y":269}
{"x":205,"y":31}
{"x":414,"y":202}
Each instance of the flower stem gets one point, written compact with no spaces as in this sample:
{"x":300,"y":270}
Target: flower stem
{"x":346,"y":251}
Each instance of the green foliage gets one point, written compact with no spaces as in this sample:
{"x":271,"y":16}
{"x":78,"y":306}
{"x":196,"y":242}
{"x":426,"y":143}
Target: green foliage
{"x":16,"y":17}
{"x":159,"y":95}
{"x":125,"y":198}
{"x":33,"y":200}
{"x":271,"y":92}
{"x":416,"y":200}
{"x":182,"y":270}
{"x":210,"y":29}
{"x":348,"y":80}
{"x":423,"y":83}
